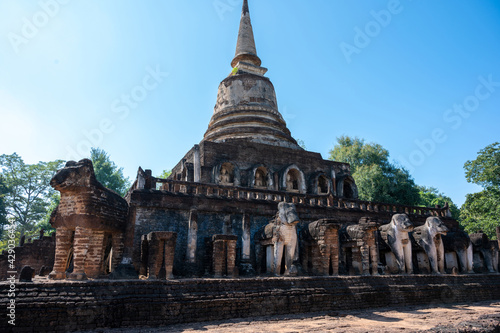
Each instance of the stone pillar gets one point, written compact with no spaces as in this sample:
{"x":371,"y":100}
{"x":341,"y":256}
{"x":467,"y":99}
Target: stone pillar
{"x":197,"y":164}
{"x":192,"y":237}
{"x":63,"y":245}
{"x":245,"y":251}
{"x":95,"y":254}
{"x":224,"y":255}
{"x":80,"y":250}
{"x":332,"y":254}
{"x":161,"y":252}
{"x":374,"y":258}
{"x":365,"y":259}
{"x":143,"y":270}
{"x":117,"y":248}
{"x":246,"y":267}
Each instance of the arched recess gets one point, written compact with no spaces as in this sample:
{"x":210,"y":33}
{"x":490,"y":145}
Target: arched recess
{"x":347,"y":188}
{"x":323,"y":184}
{"x":227,"y":174}
{"x":293,"y":180}
{"x":261,"y":177}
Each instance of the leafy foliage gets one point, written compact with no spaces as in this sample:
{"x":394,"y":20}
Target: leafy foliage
{"x":107,"y":173}
{"x":376,"y":177}
{"x":485,"y":169}
{"x":3,"y":209}
{"x":27,"y":198}
{"x":481,"y":211}
{"x":165,"y":174}
{"x":45,"y":222}
{"x":358,"y":153}
{"x":430,"y":197}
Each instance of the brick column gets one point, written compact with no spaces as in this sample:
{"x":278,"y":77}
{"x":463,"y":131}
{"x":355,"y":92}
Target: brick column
{"x":231,"y":256}
{"x":143,"y":270}
{"x":374,"y":259}
{"x":161,"y":250}
{"x":80,"y":249}
{"x":95,"y":255}
{"x":218,"y":257}
{"x":170,"y":241}
{"x":63,"y":245}
{"x":321,"y":260}
{"x":117,"y":248}
{"x":332,"y":241}
{"x":365,"y":259}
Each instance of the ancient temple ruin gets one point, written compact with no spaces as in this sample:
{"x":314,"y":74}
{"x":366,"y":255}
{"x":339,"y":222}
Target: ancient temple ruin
{"x":248,"y":200}
{"x":247,"y":224}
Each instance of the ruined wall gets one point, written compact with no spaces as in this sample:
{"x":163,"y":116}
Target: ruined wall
{"x":38,"y":253}
{"x":63,"y":307}
{"x":246,"y":155}
{"x":154,"y":210}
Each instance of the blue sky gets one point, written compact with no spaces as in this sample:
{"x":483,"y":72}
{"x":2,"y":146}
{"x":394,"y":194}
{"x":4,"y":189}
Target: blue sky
{"x":139,"y":79}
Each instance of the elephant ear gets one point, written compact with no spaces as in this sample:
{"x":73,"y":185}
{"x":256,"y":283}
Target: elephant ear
{"x":390,"y":239}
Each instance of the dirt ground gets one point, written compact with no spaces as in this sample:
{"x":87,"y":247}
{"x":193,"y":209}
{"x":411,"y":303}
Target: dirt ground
{"x":476,"y":317}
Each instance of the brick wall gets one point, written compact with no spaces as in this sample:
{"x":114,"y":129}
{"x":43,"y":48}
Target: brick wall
{"x":38,"y":253}
{"x":64,"y":306}
{"x":164,"y":211}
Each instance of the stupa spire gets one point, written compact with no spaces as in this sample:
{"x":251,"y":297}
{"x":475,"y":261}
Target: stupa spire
{"x":245,"y":47}
{"x":246,"y":107}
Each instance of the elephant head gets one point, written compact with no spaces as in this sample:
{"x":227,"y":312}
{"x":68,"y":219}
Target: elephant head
{"x":436,"y":226}
{"x":73,"y":175}
{"x":287,"y":213}
{"x":402,"y":223}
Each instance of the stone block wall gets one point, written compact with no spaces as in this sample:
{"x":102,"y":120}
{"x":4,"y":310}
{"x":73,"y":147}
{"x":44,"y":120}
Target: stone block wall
{"x":38,"y":253}
{"x":89,"y":305}
{"x":162,"y":210}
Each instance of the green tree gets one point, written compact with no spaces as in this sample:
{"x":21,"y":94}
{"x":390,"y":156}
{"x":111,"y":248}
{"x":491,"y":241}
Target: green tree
{"x":430,"y":197}
{"x":376,"y":177}
{"x":107,"y":173}
{"x":485,"y":169}
{"x":3,"y":209}
{"x":481,"y":211}
{"x":165,"y":174}
{"x":27,"y":198}
{"x":45,"y":222}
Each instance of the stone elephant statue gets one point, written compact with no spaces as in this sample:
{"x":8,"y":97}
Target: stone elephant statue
{"x":396,"y":236}
{"x":320,"y":247}
{"x":90,"y":220}
{"x":281,"y":233}
{"x":361,"y":240}
{"x":483,"y":254}
{"x":428,"y":238}
{"x":459,"y":242}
